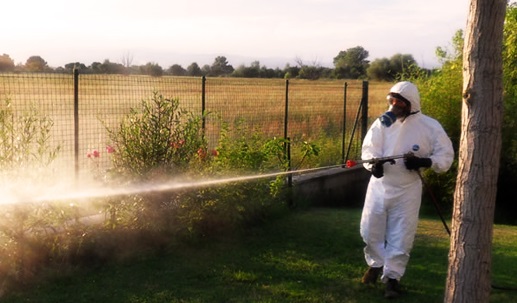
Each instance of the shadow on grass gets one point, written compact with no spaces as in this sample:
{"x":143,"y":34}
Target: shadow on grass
{"x":309,"y":256}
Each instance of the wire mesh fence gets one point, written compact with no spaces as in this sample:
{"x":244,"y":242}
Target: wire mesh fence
{"x":83,"y":107}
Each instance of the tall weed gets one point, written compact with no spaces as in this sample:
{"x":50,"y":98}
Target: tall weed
{"x":25,"y":159}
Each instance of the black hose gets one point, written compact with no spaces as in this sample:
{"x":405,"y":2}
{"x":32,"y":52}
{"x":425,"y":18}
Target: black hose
{"x":438,"y":210}
{"x":436,"y":205}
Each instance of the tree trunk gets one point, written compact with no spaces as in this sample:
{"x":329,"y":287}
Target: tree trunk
{"x":470,"y":261}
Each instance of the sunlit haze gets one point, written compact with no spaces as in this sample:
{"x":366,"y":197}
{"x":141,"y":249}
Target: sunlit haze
{"x":30,"y":191}
{"x":272,"y":32}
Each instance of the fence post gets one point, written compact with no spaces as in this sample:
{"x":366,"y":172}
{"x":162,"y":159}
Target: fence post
{"x":76,"y":122}
{"x":286,"y":112}
{"x":344,"y":124}
{"x":203,"y":104}
{"x":287,"y":144}
{"x":286,"y":119}
{"x":364,"y":103}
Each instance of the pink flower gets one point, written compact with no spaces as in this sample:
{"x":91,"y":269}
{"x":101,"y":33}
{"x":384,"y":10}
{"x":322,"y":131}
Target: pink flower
{"x":96,"y":154}
{"x":110,"y":149}
{"x":201,"y":153}
{"x":178,"y":144}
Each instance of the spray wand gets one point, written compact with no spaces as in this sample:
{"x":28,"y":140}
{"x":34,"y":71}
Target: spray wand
{"x":391,"y":159}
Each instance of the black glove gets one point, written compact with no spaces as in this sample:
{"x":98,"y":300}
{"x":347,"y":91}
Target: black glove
{"x":378,"y":169}
{"x":414,"y":163}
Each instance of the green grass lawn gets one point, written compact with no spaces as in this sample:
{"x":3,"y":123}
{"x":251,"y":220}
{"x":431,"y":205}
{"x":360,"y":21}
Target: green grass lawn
{"x":313,"y":255}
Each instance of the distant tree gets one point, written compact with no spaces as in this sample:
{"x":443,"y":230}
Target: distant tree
{"x":326,"y":72}
{"x":206,"y":70}
{"x":127,"y":60}
{"x":36,"y":64}
{"x":379,"y":70}
{"x":152,"y":69}
{"x":6,"y":63}
{"x":96,"y":67}
{"x":389,"y":69}
{"x":20,"y":67}
{"x":60,"y":70}
{"x":243,"y":71}
{"x":69,"y":67}
{"x":133,"y":70}
{"x":108,"y":67}
{"x":270,"y":73}
{"x":308,"y":71}
{"x":194,"y":70}
{"x":255,"y":70}
{"x":400,"y":62}
{"x":177,"y":70}
{"x":291,"y":71}
{"x":220,"y":67}
{"x":351,"y":64}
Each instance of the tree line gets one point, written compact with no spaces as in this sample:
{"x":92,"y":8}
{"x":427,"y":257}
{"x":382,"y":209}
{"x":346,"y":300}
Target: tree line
{"x":352,"y":63}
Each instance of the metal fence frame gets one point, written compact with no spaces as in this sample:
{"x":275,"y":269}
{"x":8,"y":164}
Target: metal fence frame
{"x":81,"y":97}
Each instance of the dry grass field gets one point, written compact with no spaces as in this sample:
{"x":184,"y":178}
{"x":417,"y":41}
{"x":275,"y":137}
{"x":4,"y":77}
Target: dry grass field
{"x":316,"y":109}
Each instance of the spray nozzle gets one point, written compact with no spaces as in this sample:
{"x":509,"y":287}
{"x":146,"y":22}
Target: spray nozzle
{"x":350,"y":163}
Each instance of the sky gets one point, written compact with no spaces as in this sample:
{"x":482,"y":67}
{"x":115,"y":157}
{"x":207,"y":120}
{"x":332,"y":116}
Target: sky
{"x":273,"y":32}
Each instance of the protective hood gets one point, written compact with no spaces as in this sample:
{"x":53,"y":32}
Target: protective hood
{"x":409,"y":91}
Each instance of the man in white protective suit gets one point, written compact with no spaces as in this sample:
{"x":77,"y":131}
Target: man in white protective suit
{"x":390,"y":214}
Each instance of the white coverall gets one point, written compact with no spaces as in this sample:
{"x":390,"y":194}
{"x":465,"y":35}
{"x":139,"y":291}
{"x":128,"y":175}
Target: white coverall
{"x":390,"y":214}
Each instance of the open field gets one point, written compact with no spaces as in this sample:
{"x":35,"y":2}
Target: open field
{"x":315,"y":108}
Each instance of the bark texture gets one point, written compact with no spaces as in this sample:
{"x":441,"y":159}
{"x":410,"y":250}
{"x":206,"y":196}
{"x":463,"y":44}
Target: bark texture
{"x":470,"y":261}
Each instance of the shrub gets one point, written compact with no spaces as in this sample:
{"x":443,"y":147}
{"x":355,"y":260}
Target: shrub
{"x":25,"y":158}
{"x":160,"y":142}
{"x":24,"y":140}
{"x":158,"y":138}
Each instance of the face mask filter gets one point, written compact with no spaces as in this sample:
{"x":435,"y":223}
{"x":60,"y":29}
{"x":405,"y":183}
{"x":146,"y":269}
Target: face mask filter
{"x":399,"y":109}
{"x":388,"y":118}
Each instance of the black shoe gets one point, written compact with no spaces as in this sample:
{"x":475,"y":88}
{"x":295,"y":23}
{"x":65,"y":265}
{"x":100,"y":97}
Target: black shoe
{"x":371,"y":275}
{"x":392,"y":289}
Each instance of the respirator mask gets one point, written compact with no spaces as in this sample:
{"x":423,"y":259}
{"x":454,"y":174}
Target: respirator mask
{"x":399,"y":109}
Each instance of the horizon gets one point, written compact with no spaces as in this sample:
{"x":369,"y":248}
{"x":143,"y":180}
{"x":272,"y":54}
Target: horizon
{"x":275,"y":33}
